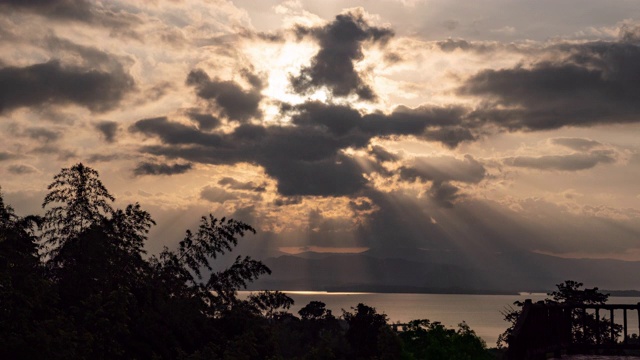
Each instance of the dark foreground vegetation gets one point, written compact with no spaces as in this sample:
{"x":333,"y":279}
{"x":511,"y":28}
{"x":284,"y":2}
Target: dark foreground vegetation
{"x":76,"y":284}
{"x":572,"y":321}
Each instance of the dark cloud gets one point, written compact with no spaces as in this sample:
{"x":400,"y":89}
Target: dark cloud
{"x":341,"y":43}
{"x":361,"y":205}
{"x":578,"y":144}
{"x":94,"y":158}
{"x":450,"y":45}
{"x":22,"y":169}
{"x":288,"y":200}
{"x":54,"y":83}
{"x":216,"y":194}
{"x":451,"y":136}
{"x":231,"y":99}
{"x":108,"y":129}
{"x":305,"y":161}
{"x":444,"y":194}
{"x":339,"y":175}
{"x":591,"y":83}
{"x":62,"y":153}
{"x":383,"y":155}
{"x":63,"y":9}
{"x":239,"y":185}
{"x":572,"y":162}
{"x":630,"y":33}
{"x":443,"y":169}
{"x":205,"y":121}
{"x":432,"y":123}
{"x":173,"y":132}
{"x":148,"y":168}
{"x":120,"y":22}
{"x":307,"y":158}
{"x":4,"y":155}
{"x":42,"y":135}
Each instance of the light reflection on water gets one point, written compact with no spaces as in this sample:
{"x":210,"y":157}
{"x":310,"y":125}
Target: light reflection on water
{"x":481,"y":312}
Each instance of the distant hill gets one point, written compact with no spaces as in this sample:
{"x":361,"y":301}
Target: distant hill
{"x":423,"y":271}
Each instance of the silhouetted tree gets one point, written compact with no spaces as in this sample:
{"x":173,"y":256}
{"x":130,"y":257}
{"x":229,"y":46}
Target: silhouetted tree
{"x":184,"y":268}
{"x":315,"y":310}
{"x":30,"y":326}
{"x":364,"y":327}
{"x":94,"y":295}
{"x":423,"y":339}
{"x":586,"y":328}
{"x":268,"y":302}
{"x":78,"y":200}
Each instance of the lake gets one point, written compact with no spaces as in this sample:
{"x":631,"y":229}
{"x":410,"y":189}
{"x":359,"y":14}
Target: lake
{"x":481,"y":312}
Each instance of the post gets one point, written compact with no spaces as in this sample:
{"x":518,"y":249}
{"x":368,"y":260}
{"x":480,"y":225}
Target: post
{"x":584,"y":325}
{"x":613,"y":337}
{"x":625,"y":325}
{"x":638,"y":311}
{"x":598,"y":325}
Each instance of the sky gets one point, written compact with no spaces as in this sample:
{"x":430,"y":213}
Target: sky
{"x":337,"y":126}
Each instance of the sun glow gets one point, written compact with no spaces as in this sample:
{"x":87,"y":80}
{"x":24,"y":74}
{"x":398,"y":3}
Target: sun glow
{"x":280,"y":62}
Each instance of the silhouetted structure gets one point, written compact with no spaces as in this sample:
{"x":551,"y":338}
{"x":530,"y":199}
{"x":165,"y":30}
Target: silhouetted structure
{"x":544,"y":328}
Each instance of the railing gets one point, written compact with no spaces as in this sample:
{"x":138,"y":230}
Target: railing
{"x":544,"y":328}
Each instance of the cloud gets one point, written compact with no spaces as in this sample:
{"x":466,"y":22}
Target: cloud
{"x":108,"y":129}
{"x":341,"y":43}
{"x":239,"y":185}
{"x":108,"y":15}
{"x":451,"y":45}
{"x":54,"y":83}
{"x":216,"y":194}
{"x":630,"y":33}
{"x":148,"y":168}
{"x":383,"y":155}
{"x":94,"y":158}
{"x":233,"y":101}
{"x":62,"y":9}
{"x":63,"y":153}
{"x":22,"y":169}
{"x":572,"y":162}
{"x":429,"y":122}
{"x":307,"y":158}
{"x":444,"y":168}
{"x":441,"y":171}
{"x":173,"y":132}
{"x":444,"y":194}
{"x":289,"y":200}
{"x":576,"y":85}
{"x":205,"y":121}
{"x":577,"y":144}
{"x":4,"y":156}
{"x":305,"y":161}
{"x":42,"y":134}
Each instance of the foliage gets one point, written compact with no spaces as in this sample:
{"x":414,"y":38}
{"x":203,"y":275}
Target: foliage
{"x":95,"y":295}
{"x":268,"y":302}
{"x":432,"y":340}
{"x":79,"y":200}
{"x":184,"y":267}
{"x":586,"y":328}
{"x":364,"y":327}
{"x":315,"y":310}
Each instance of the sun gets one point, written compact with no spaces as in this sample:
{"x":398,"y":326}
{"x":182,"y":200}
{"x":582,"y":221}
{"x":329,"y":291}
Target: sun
{"x":278,"y":63}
